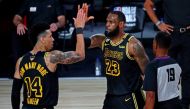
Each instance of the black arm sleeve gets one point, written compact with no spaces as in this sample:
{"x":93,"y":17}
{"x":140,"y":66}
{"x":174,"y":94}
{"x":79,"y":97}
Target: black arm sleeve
{"x":15,"y":95}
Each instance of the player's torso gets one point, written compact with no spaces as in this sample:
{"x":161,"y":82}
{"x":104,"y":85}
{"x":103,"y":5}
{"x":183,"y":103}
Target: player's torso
{"x":40,"y":85}
{"x":121,"y":70}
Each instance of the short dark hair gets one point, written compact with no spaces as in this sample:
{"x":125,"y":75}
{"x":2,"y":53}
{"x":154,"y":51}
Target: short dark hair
{"x":120,"y":15}
{"x":163,"y":40}
{"x":36,"y":30}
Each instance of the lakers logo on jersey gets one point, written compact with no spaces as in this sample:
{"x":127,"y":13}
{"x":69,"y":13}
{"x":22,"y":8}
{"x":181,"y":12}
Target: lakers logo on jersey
{"x":113,"y":54}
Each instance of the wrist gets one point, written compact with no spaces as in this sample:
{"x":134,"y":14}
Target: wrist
{"x":79,"y":30}
{"x":158,"y":23}
{"x":18,"y":23}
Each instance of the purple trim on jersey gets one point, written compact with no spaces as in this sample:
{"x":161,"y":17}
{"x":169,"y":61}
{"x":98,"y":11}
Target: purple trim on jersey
{"x":162,"y":58}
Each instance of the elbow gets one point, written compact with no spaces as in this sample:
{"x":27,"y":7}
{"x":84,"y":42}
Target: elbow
{"x":82,"y":57}
{"x":14,"y":20}
{"x":81,"y":54}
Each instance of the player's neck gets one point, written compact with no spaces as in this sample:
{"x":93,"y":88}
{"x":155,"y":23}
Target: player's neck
{"x":162,"y":53}
{"x":118,"y":37}
{"x":38,"y":47}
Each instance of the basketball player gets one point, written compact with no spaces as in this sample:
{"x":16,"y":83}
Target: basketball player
{"x":124,"y":60}
{"x":36,"y":69}
{"x":162,"y":76}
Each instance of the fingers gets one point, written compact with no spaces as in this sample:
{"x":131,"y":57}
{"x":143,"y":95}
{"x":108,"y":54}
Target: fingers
{"x":79,"y":21}
{"x":90,"y":18}
{"x":166,"y":28}
{"x":81,"y":16}
{"x":21,"y":29}
{"x":25,"y":28}
{"x":74,"y":19}
{"x":167,"y":31}
{"x":169,"y":26}
{"x":85,"y":8}
{"x":78,"y":7}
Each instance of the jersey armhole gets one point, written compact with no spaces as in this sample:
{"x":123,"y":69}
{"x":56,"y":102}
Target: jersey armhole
{"x":103,"y":42}
{"x":127,"y":51}
{"x":20,"y":68}
{"x":45,"y":55}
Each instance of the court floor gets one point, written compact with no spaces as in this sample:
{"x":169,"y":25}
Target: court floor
{"x":74,"y":93}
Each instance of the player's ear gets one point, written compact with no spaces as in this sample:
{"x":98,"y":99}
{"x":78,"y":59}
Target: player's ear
{"x":41,"y":39}
{"x":155,"y":44}
{"x":121,"y":24}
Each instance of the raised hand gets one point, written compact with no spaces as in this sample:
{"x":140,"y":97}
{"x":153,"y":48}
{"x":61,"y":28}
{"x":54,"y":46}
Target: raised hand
{"x":85,"y":7}
{"x":79,"y":21}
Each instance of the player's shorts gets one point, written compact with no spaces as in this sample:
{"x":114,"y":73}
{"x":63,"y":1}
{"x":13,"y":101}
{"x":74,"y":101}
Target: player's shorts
{"x":128,"y":101}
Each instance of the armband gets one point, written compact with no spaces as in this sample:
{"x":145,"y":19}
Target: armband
{"x":79,"y":30}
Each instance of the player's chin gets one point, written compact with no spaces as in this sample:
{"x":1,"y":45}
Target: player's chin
{"x":108,"y":30}
{"x":50,"y":47}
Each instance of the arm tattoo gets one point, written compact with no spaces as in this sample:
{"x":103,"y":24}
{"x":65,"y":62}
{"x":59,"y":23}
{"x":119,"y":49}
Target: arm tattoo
{"x":64,"y":57}
{"x":56,"y":56}
{"x":137,"y":48}
{"x":140,"y":56}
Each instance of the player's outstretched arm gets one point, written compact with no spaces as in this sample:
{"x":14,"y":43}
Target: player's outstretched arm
{"x":96,"y":40}
{"x":59,"y":57}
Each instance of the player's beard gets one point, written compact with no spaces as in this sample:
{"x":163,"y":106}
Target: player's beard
{"x":113,"y":33}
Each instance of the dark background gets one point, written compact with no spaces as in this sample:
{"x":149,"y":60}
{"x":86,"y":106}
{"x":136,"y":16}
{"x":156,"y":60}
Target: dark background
{"x":98,"y":8}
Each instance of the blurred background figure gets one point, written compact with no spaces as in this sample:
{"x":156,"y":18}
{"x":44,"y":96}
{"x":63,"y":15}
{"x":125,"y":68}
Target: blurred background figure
{"x":30,"y":13}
